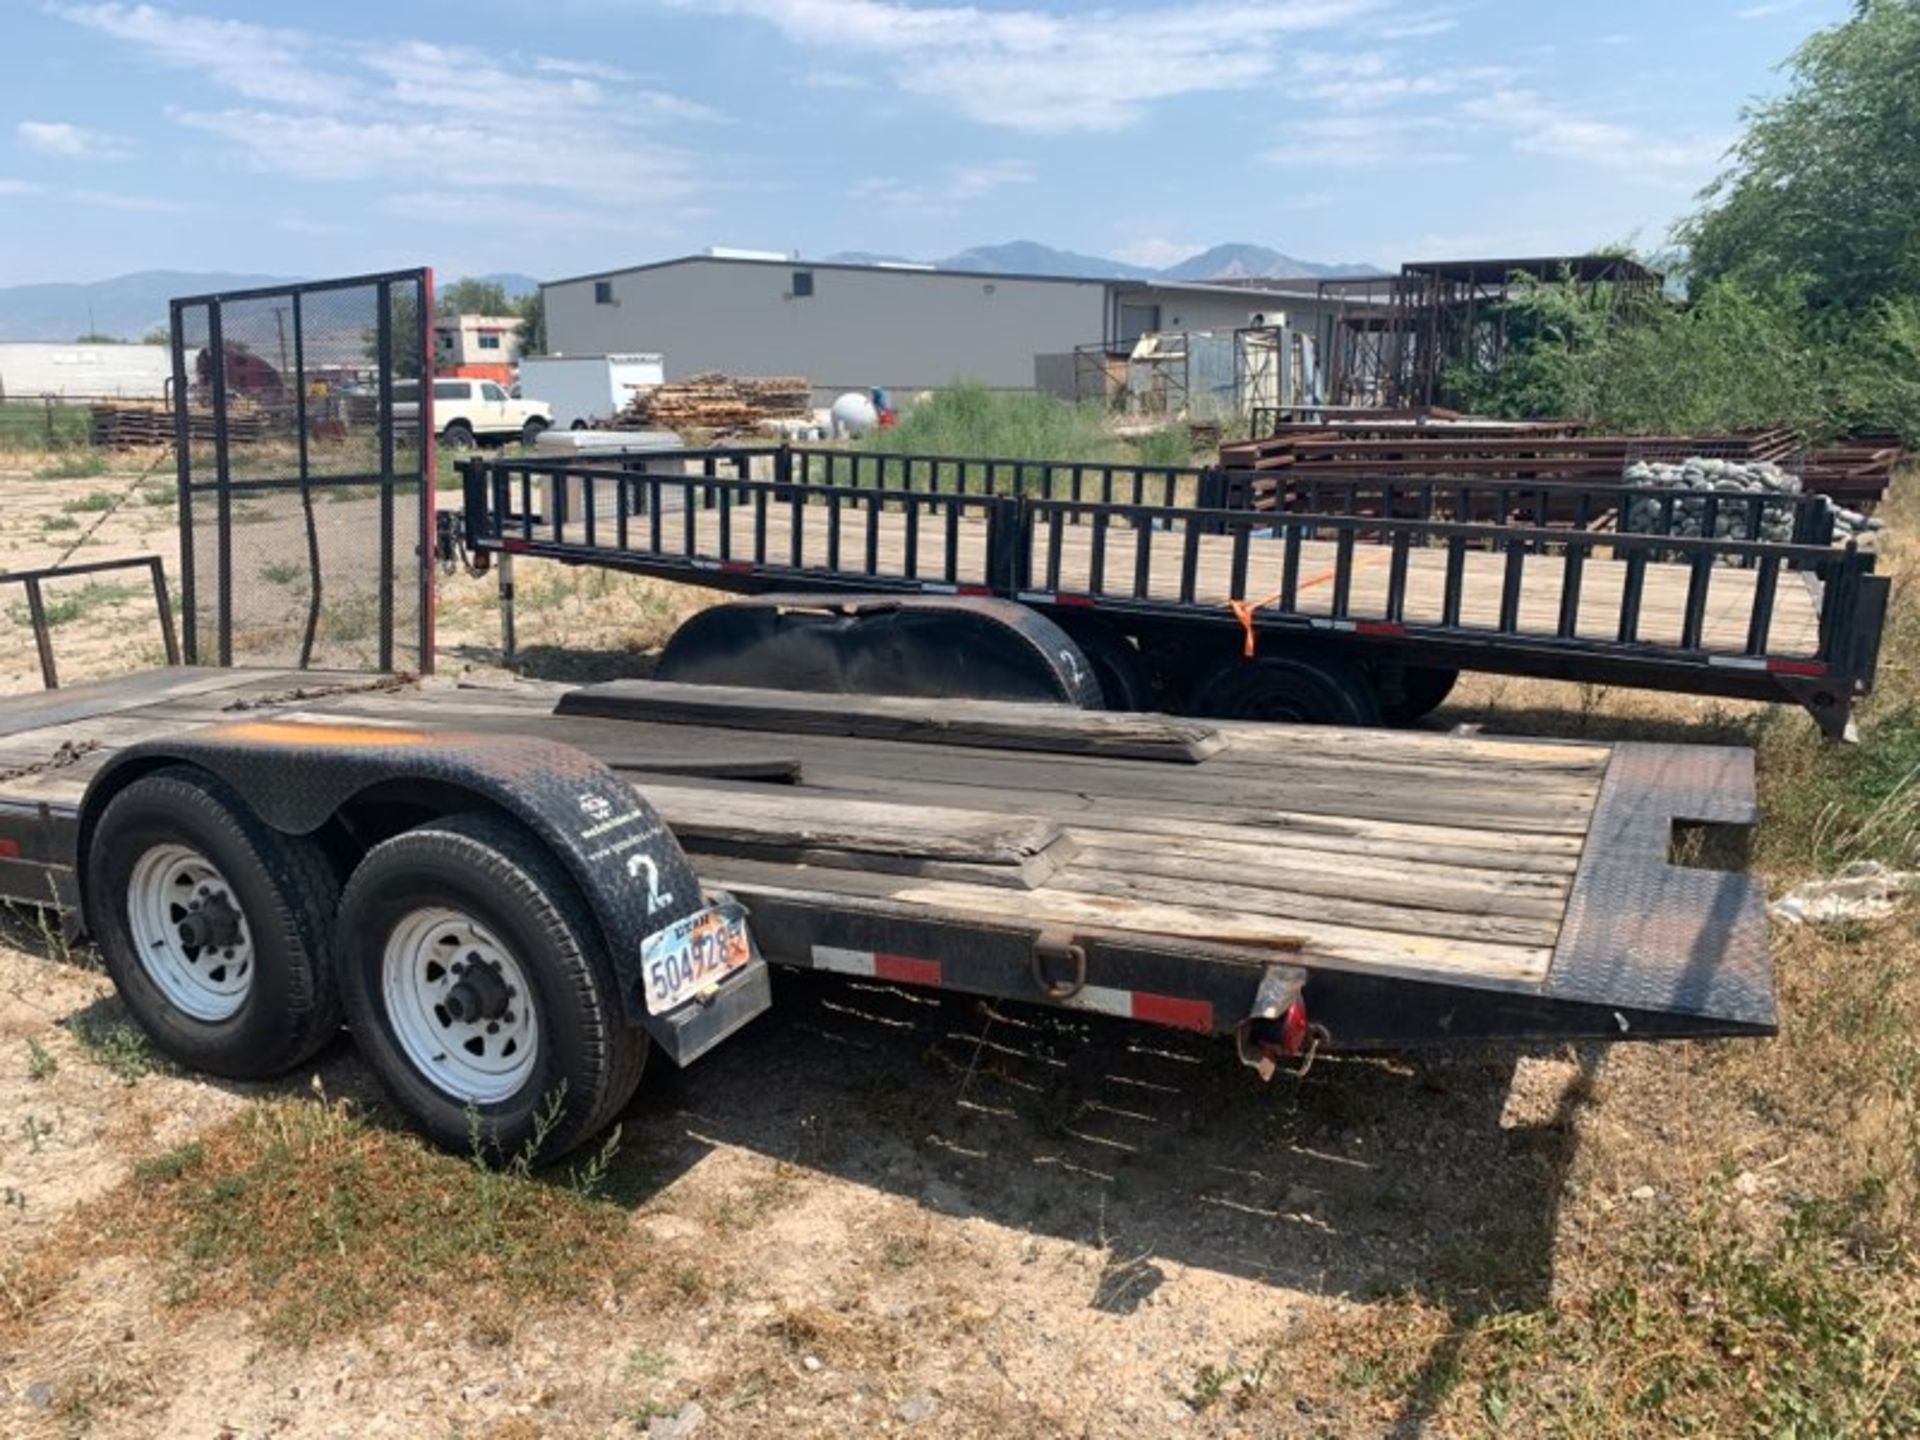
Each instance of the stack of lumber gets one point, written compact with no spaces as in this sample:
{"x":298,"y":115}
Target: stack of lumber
{"x":126,"y":424}
{"x":713,"y":401}
{"x":1855,"y":474}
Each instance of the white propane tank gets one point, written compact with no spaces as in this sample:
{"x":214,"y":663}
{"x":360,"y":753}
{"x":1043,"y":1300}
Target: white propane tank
{"x":853,"y":414}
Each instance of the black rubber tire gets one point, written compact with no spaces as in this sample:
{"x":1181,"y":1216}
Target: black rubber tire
{"x":589,"y":1060}
{"x":458,"y":435}
{"x":1125,"y":681}
{"x":1424,"y":689}
{"x":1293,"y":689}
{"x":531,"y":431}
{"x":285,"y":887}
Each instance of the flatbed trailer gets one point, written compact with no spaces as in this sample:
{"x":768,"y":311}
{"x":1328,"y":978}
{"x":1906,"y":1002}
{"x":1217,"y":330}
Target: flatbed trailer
{"x":1292,"y":888}
{"x":1383,"y":581}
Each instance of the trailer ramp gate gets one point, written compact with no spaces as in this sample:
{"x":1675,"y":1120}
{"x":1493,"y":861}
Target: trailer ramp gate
{"x":305,"y":491}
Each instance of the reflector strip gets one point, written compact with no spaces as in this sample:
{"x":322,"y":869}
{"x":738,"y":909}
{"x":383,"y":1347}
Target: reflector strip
{"x":1169,"y":1010}
{"x":9,"y":849}
{"x":1173,"y":1011}
{"x":514,"y":547}
{"x":1797,"y":667}
{"x":877,"y":965}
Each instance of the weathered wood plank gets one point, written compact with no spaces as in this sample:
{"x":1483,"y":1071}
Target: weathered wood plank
{"x":995,"y":724}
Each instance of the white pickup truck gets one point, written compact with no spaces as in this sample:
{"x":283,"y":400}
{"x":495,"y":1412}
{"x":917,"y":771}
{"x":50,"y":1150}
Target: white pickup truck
{"x":468,"y":411}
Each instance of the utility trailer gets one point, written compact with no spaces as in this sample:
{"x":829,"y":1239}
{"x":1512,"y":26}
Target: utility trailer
{"x":513,"y":893}
{"x":1354,"y":600}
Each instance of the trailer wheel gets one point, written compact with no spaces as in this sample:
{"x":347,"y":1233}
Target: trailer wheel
{"x":213,"y":926}
{"x":1423,"y":689}
{"x":1296,"y":689}
{"x":1121,"y":670}
{"x":478,"y":988}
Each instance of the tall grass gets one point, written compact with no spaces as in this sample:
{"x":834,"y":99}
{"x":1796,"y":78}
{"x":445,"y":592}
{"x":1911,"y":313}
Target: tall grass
{"x":968,"y":419}
{"x":34,"y":426}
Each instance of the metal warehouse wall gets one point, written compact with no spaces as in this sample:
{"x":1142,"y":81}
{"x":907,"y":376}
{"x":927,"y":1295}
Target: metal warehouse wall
{"x":904,"y":329}
{"x":32,"y":368}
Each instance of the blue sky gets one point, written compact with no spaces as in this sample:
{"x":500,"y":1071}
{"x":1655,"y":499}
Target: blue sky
{"x":578,"y":134}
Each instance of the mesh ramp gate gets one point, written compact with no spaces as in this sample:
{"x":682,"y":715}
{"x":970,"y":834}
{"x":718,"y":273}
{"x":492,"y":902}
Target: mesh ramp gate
{"x":306,"y":495}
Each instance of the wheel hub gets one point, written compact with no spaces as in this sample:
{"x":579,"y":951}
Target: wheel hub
{"x":213,"y":921}
{"x":459,"y":1005}
{"x":480,"y":994}
{"x":189,"y":936}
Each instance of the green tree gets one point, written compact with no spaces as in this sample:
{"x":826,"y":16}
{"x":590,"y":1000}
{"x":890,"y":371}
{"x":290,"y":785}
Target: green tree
{"x":474,"y":297}
{"x":532,"y":311}
{"x":1825,"y":182}
{"x":95,"y":337}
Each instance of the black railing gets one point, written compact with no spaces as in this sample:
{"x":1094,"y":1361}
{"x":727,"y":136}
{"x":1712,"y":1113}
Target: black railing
{"x":721,"y":526}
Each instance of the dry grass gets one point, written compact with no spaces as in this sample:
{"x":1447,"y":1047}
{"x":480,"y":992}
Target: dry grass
{"x":1770,"y":1285}
{"x":318,"y":1224}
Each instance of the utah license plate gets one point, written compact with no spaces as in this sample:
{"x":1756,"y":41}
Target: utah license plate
{"x":692,"y":954}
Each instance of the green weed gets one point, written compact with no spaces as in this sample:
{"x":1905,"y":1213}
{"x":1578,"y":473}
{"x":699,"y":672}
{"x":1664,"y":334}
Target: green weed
{"x":75,"y":465}
{"x":118,"y":1044}
{"x":41,"y":1063}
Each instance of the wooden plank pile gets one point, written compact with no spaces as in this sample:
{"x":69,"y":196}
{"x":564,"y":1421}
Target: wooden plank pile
{"x":713,"y":401}
{"x":129,"y":424}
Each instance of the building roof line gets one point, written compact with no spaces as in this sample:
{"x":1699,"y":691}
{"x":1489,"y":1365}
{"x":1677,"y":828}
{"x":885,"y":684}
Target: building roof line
{"x":1118,"y":282}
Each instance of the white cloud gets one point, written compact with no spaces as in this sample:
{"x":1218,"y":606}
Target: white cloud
{"x":104,"y":199}
{"x":1537,"y":126}
{"x":258,"y":61}
{"x":945,"y":195}
{"x":1050,"y":72}
{"x":833,"y":80}
{"x":1364,"y":141}
{"x":418,"y":112}
{"x":71,"y":142}
{"x":1768,"y":9}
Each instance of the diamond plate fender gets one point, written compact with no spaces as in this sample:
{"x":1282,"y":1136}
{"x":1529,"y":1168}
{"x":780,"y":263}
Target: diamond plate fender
{"x":297,"y":775}
{"x":1642,"y":934}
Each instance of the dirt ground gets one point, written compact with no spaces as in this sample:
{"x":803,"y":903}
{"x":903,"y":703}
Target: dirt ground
{"x":875,"y":1212}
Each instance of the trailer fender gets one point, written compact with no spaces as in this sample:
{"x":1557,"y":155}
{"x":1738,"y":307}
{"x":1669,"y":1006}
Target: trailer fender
{"x":298,"y":776}
{"x":939,"y":646}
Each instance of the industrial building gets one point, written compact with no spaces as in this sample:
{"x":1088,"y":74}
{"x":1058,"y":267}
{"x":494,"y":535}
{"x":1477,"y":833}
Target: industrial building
{"x":912,"y":327}
{"x":31,"y":369}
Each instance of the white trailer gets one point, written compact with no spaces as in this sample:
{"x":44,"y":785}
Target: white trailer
{"x":586,"y":390}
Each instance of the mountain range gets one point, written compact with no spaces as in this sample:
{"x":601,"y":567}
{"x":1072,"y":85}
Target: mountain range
{"x":1236,"y":261}
{"x":130,"y":306}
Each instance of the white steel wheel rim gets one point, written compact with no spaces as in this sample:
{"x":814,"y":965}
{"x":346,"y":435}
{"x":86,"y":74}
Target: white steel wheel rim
{"x":170,"y":885}
{"x":476,"y":1061}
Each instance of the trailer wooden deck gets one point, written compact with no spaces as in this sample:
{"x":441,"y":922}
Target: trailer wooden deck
{"x":1113,"y":568}
{"x":1517,"y":867}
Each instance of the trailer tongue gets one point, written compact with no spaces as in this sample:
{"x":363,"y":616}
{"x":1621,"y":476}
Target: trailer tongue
{"x":513,"y":901}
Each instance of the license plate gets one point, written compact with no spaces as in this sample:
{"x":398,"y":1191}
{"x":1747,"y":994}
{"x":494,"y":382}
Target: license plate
{"x":691,"y":955}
